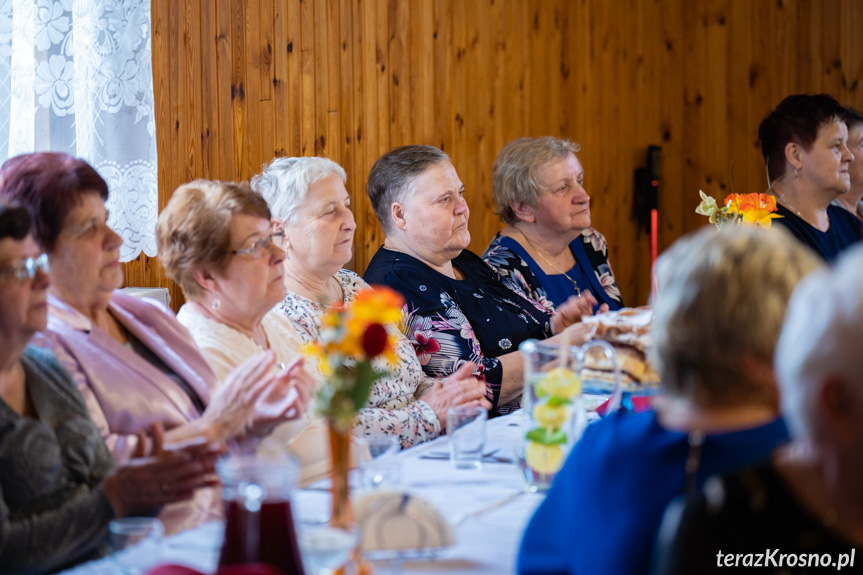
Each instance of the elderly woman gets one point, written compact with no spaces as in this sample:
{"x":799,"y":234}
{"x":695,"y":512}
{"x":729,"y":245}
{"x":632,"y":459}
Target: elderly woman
{"x":804,"y":141}
{"x":547,"y":248}
{"x":713,"y":344}
{"x":133,"y":363}
{"x":308,"y":196}
{"x":58,"y":484}
{"x":853,"y":200}
{"x":217,"y":241}
{"x":806,"y":502}
{"x":458,"y":309}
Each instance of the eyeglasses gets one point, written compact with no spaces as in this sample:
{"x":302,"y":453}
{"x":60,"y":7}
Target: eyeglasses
{"x":261,"y":247}
{"x":26,"y":270}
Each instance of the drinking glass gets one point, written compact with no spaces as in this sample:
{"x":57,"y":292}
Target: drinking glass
{"x":377,"y":461}
{"x":324,"y":547}
{"x":136,"y":543}
{"x":465,"y":428}
{"x":553,"y":408}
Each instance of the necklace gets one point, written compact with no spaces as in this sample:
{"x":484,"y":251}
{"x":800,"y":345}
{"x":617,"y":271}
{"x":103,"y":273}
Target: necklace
{"x":790,"y":207}
{"x":554,"y":267}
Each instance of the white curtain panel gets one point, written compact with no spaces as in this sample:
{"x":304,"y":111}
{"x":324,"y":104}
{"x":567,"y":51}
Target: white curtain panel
{"x":76,"y":76}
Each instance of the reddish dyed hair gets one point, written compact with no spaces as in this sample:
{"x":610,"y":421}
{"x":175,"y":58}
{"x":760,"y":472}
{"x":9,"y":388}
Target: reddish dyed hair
{"x":48,"y":185}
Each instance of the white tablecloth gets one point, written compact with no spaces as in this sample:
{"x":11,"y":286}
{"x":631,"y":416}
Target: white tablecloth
{"x":488,"y":508}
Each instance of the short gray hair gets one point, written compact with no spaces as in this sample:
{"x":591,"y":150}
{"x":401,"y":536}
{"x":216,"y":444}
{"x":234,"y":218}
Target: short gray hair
{"x":285,"y":182}
{"x":515,"y":175}
{"x":821,"y":339}
{"x":393,"y":174}
{"x":721,"y":296}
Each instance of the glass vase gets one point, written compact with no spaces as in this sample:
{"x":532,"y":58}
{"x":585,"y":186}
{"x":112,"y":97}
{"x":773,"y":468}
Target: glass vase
{"x":553,"y":410}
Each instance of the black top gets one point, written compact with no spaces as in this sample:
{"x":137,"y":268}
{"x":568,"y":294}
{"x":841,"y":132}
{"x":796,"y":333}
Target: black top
{"x":453,"y":321}
{"x":845,"y":231}
{"x":745,"y":516}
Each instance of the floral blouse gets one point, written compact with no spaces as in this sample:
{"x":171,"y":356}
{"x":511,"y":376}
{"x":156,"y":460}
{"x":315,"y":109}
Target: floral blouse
{"x":393,"y":407}
{"x":450,"y":322}
{"x":591,"y":271}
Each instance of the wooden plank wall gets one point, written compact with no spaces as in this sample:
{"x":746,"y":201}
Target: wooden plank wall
{"x":240,"y":81}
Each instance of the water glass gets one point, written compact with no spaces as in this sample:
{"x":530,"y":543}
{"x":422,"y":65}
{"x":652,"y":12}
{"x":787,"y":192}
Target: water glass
{"x":465,"y":428}
{"x":136,"y":543}
{"x":325,"y":547}
{"x":377,"y":461}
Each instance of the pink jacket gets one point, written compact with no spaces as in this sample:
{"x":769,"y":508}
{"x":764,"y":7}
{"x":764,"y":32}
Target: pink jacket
{"x":124,"y":392}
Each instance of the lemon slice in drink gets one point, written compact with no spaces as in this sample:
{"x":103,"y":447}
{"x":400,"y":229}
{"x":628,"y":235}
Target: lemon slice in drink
{"x":560,"y":382}
{"x":543,"y":459}
{"x":550,"y":416}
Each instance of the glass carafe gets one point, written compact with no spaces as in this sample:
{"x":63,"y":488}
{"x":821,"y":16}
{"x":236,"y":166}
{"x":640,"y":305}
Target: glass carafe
{"x":259,"y":521}
{"x":553,"y":412}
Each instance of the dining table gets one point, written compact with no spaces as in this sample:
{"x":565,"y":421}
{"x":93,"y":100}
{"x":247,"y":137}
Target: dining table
{"x":488,"y":510}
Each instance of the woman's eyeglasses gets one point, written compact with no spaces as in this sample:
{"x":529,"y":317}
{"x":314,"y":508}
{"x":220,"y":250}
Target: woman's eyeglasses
{"x":26,"y":270}
{"x":261,"y":247}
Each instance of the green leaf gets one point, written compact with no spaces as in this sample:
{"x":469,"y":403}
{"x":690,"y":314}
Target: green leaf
{"x":541,"y":435}
{"x":557,"y":401}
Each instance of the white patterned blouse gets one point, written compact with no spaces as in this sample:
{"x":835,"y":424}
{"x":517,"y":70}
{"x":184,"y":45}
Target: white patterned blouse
{"x":394,"y":407}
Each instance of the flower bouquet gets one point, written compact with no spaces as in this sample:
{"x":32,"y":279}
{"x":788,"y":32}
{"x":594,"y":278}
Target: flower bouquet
{"x":753,"y":208}
{"x":352,"y":335}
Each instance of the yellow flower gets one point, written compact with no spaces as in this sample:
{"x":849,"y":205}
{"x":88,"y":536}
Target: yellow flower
{"x":543,"y":459}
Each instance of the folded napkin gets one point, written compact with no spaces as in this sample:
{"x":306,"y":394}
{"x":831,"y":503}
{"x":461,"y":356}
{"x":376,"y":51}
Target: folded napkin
{"x":398,"y":521}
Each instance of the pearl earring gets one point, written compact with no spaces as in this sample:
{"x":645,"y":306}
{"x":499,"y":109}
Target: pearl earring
{"x":216,"y":304}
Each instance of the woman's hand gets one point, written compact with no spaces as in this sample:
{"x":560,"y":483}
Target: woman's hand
{"x":234,"y":403}
{"x":460,"y":388}
{"x":572,"y":310}
{"x":285,"y":397}
{"x":144,"y":484}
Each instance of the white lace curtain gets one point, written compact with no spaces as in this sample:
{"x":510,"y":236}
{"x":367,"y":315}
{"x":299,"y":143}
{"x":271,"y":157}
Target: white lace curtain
{"x":76,"y":76}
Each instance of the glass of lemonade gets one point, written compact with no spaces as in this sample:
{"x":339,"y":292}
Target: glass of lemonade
{"x":553,"y":408}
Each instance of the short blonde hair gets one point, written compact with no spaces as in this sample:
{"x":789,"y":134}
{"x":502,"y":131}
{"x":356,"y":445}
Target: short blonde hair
{"x":721,"y":296}
{"x":194,"y":229}
{"x":285,"y":183}
{"x":515,"y":175}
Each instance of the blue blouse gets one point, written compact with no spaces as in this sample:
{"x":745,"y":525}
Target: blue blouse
{"x":591,"y":271}
{"x":603,"y":511}
{"x":845,"y":231}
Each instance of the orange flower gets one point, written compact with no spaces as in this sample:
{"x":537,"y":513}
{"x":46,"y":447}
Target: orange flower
{"x":732,"y":204}
{"x":378,"y":305}
{"x":758,"y":209}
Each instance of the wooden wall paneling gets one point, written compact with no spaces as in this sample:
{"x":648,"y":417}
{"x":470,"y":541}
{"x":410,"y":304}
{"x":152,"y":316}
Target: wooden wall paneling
{"x":266,"y":61}
{"x":717,"y":157}
{"x":281,"y":124}
{"x":308,"y":95}
{"x":209,"y":90}
{"x":852,"y":54}
{"x":292,"y":123}
{"x":346,"y":139}
{"x":831,"y":54}
{"x":225,"y":92}
{"x":744,"y":151}
{"x":321,"y":86}
{"x":239,"y":84}
{"x":333,"y":104}
{"x":238,"y":81}
{"x":253,"y":32}
{"x":695,"y":115}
